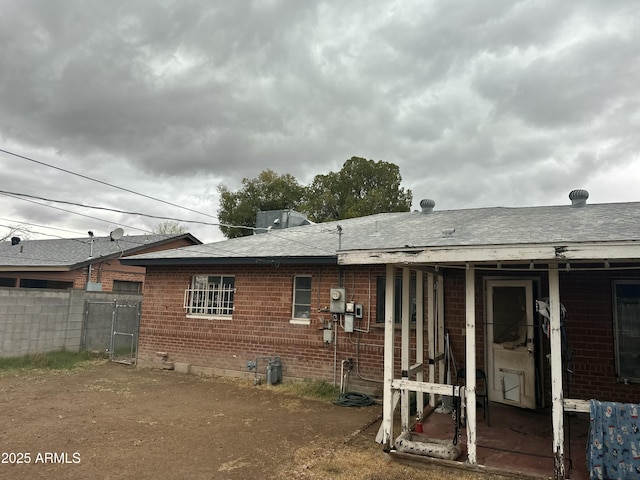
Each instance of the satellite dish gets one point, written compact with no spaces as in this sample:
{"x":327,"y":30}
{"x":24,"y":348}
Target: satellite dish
{"x":116,"y":234}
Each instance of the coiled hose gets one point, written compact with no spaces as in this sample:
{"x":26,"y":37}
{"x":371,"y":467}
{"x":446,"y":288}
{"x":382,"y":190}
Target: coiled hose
{"x":354,"y":399}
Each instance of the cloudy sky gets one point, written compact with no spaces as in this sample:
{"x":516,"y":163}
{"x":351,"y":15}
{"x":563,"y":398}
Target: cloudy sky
{"x":480,"y":103}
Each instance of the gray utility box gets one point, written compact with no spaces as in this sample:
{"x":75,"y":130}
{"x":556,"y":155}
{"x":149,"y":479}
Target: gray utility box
{"x":274,"y":371}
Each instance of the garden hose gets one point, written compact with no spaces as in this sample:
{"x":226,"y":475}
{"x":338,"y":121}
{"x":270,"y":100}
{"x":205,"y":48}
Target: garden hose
{"x":353,"y":399}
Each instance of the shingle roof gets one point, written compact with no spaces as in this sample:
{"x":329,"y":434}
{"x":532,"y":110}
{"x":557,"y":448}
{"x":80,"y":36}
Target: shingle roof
{"x":69,"y":253}
{"x":610,"y":222}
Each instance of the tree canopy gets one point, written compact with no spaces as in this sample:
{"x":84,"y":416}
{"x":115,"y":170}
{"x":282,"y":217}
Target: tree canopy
{"x":362,"y":187}
{"x":169,"y":228}
{"x":269,"y":191}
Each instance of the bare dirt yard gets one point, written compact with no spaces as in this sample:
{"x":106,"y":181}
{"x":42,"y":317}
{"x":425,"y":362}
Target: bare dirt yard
{"x":111,"y":421}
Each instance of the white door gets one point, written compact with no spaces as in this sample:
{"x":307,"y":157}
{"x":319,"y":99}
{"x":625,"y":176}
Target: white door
{"x":510,"y":343}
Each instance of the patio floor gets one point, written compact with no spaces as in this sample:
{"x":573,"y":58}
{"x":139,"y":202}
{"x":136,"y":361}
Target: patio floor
{"x":518,"y":440}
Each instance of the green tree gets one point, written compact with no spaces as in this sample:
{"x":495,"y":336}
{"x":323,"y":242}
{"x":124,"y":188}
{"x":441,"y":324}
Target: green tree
{"x":269,"y":191}
{"x":362,"y":187}
{"x":169,"y":228}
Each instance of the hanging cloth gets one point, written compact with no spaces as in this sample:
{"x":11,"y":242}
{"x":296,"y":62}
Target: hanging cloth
{"x":613,"y":446}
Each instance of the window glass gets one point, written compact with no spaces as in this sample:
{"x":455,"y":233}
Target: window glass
{"x":397,"y":304}
{"x":302,"y":297}
{"x":627,"y":331}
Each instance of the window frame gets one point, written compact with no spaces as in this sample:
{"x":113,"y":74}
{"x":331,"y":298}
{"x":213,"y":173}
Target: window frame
{"x":207,"y":299}
{"x":622,"y":334}
{"x":295,"y":300}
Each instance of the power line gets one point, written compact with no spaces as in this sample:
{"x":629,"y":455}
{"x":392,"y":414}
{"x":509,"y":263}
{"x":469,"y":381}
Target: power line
{"x":109,"y":209}
{"x":17,"y":197}
{"x":35,"y":224}
{"x":104,"y":183}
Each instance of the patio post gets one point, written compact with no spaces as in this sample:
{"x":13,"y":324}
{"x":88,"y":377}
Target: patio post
{"x":431,"y":333}
{"x":405,"y":346}
{"x":470,"y":362}
{"x":420,"y":338}
{"x":556,"y":373}
{"x":387,"y":395}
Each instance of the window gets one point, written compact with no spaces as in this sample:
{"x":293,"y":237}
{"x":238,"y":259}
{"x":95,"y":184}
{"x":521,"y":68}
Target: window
{"x":210,"y":295}
{"x":397,"y":308}
{"x":123,"y":286}
{"x":301,"y":297}
{"x":627,"y":329}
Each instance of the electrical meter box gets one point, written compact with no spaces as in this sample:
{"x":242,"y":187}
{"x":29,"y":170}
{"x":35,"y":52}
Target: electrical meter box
{"x":338,"y":300}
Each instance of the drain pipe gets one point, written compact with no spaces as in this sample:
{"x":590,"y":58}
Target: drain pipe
{"x":335,"y":348}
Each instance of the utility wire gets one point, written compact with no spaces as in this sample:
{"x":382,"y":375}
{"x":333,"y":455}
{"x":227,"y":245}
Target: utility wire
{"x":35,"y":224}
{"x":105,"y":183}
{"x":18,"y":197}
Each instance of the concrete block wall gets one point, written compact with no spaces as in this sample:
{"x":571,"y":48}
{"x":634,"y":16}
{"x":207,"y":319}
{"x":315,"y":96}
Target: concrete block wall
{"x":37,"y":320}
{"x":42,"y":320}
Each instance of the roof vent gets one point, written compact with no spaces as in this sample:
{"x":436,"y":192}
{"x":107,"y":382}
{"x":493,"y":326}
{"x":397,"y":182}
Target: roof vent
{"x":427,"y":205}
{"x":15,"y":240}
{"x":578,"y":198}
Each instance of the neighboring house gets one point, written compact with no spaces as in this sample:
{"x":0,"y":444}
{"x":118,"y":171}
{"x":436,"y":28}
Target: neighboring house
{"x":494,"y":282}
{"x":91,"y":263}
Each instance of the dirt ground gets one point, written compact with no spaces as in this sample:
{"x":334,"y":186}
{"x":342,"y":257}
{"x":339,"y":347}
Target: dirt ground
{"x":111,"y":421}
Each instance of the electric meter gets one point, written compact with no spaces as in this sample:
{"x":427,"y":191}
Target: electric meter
{"x":337,"y":300}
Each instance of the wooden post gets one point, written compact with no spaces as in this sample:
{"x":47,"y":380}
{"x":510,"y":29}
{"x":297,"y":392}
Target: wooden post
{"x":420,"y":338}
{"x":405,"y":344}
{"x":431,"y":333}
{"x":470,"y":363}
{"x":387,"y":394}
{"x":556,"y":373}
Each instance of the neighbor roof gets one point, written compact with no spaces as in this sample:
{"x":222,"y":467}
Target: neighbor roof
{"x":481,"y":227}
{"x":70,"y":253}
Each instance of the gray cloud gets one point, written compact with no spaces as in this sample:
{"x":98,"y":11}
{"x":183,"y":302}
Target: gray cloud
{"x":481,"y":103}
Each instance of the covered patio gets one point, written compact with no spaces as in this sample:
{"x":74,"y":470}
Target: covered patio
{"x":535,"y":426}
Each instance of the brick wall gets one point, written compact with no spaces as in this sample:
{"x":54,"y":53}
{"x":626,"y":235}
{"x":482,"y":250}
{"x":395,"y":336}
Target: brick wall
{"x":261,"y":323}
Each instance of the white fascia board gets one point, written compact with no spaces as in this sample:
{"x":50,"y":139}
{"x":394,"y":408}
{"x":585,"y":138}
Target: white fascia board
{"x":493,"y":253}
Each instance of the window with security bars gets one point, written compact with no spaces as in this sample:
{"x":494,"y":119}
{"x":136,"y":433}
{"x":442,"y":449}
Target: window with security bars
{"x":210,"y":295}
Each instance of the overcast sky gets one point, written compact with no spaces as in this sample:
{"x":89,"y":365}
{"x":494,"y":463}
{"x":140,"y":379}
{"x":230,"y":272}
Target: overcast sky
{"x":480,"y":103}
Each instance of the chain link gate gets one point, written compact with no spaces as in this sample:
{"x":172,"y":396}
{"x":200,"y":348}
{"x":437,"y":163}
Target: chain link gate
{"x":112,"y":327}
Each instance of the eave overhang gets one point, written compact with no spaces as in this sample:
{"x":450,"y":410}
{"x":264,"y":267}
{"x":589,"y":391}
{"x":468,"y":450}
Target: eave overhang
{"x":494,"y":253}
{"x":310,"y":260}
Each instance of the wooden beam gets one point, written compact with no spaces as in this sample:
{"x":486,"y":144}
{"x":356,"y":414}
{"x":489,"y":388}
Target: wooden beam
{"x":426,"y":387}
{"x":493,"y":253}
{"x":575,"y":405}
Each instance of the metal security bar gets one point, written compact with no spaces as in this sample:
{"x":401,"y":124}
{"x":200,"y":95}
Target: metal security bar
{"x":216,"y":298}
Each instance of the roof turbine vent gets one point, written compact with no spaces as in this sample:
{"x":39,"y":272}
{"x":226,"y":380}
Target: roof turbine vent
{"x":427,"y":205}
{"x":578,"y":198}
{"x":15,"y":240}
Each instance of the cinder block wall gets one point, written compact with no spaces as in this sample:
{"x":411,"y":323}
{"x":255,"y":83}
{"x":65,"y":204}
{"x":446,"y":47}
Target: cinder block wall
{"x":43,"y":320}
{"x":261,"y":324}
{"x":37,"y":320}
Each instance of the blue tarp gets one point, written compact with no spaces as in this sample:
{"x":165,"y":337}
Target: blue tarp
{"x":613,"y":448}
